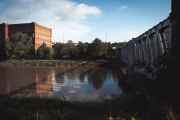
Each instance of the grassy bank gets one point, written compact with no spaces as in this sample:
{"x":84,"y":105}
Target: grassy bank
{"x":123,"y":107}
{"x":60,"y":63}
{"x":47,"y":108}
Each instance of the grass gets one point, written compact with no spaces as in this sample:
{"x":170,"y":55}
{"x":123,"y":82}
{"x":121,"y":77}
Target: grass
{"x":29,"y":108}
{"x":119,"y":107}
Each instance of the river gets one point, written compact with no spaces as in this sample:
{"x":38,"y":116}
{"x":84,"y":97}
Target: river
{"x":70,"y":83}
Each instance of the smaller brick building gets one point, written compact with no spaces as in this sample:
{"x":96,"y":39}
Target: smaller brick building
{"x":38,"y":32}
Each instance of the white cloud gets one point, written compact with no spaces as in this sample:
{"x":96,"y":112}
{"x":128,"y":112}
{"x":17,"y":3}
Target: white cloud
{"x":71,"y":30}
{"x":63,"y":16}
{"x":123,"y":7}
{"x":1,"y":5}
{"x":77,"y":12}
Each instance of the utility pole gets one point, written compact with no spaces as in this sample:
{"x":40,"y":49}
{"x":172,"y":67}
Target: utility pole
{"x":63,"y":38}
{"x":106,"y":37}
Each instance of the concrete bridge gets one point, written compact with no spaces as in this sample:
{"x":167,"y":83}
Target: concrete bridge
{"x":147,"y":46}
{"x":154,"y":41}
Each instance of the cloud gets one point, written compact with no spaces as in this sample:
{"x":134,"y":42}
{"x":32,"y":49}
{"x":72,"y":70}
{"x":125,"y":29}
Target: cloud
{"x":123,"y":7}
{"x":77,"y":12}
{"x":1,"y":5}
{"x":71,"y":30}
{"x":63,"y":16}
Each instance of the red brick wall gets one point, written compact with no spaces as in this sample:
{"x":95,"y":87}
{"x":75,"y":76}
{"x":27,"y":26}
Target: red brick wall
{"x":39,"y":33}
{"x":43,"y":35}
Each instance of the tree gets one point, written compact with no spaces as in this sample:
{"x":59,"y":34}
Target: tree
{"x":73,"y":52}
{"x":44,"y":52}
{"x":112,"y":53}
{"x":59,"y":50}
{"x":68,"y":47}
{"x":18,"y":46}
{"x":82,"y":50}
{"x":95,"y":49}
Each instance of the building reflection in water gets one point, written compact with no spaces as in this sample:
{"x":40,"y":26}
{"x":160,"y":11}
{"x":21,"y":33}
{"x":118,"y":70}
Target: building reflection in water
{"x":23,"y":79}
{"x":44,"y":86}
{"x":73,"y":83}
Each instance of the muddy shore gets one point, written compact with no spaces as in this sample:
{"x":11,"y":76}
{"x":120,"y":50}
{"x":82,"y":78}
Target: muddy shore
{"x":59,"y":63}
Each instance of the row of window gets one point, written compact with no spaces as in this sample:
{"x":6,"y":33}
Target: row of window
{"x":44,"y":31}
{"x":44,"y":35}
{"x":19,"y":31}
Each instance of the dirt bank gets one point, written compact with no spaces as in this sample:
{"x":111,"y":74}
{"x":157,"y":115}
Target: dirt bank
{"x":60,"y":63}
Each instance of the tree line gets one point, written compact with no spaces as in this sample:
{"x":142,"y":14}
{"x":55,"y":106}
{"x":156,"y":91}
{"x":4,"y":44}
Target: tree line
{"x":20,"y":46}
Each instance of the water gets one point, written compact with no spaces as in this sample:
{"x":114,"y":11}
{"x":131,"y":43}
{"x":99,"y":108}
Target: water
{"x":70,"y":83}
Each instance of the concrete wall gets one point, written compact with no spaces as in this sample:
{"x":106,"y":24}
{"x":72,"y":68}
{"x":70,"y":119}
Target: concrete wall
{"x":124,"y":53}
{"x":154,"y":42}
{"x":148,"y":45}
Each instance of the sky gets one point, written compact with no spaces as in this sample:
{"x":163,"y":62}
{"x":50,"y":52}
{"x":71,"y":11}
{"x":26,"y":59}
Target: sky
{"x":84,"y":20}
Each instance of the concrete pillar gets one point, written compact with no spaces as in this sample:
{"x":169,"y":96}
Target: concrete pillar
{"x":143,"y":50}
{"x":135,"y":48}
{"x":130,"y":54}
{"x":137,"y":51}
{"x":167,"y":37}
{"x":161,"y":42}
{"x":124,"y":53}
{"x":148,"y":50}
{"x":140,"y":50}
{"x":155,"y":42}
{"x":151,"y":47}
{"x":142,"y":53}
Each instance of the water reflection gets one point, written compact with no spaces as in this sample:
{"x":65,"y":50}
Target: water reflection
{"x":97,"y":79}
{"x":78,"y":83}
{"x":44,"y":87}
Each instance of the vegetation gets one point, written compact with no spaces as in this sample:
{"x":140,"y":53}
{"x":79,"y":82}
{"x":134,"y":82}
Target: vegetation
{"x":152,"y":94}
{"x":48,"y":108}
{"x":44,"y":52}
{"x":157,"y":88}
{"x":95,"y":50}
{"x":18,"y":46}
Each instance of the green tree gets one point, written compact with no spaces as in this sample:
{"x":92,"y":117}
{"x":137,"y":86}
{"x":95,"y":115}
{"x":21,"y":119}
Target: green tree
{"x":59,"y":50}
{"x":44,"y":52}
{"x":18,"y":46}
{"x":112,"y":53}
{"x":73,"y":52}
{"x":95,"y":49}
{"x":82,"y":50}
{"x":69,"y":46}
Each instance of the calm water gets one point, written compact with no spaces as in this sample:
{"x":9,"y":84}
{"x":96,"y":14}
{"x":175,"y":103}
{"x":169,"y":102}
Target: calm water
{"x":74,"y":84}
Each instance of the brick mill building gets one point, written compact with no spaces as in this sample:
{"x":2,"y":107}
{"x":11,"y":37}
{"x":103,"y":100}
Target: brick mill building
{"x":38,"y":33}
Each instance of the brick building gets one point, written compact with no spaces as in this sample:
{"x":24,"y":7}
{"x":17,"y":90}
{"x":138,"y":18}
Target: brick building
{"x":38,"y":32}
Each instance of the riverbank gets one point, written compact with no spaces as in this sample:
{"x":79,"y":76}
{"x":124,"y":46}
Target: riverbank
{"x":48,"y":108}
{"x":60,"y":63}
